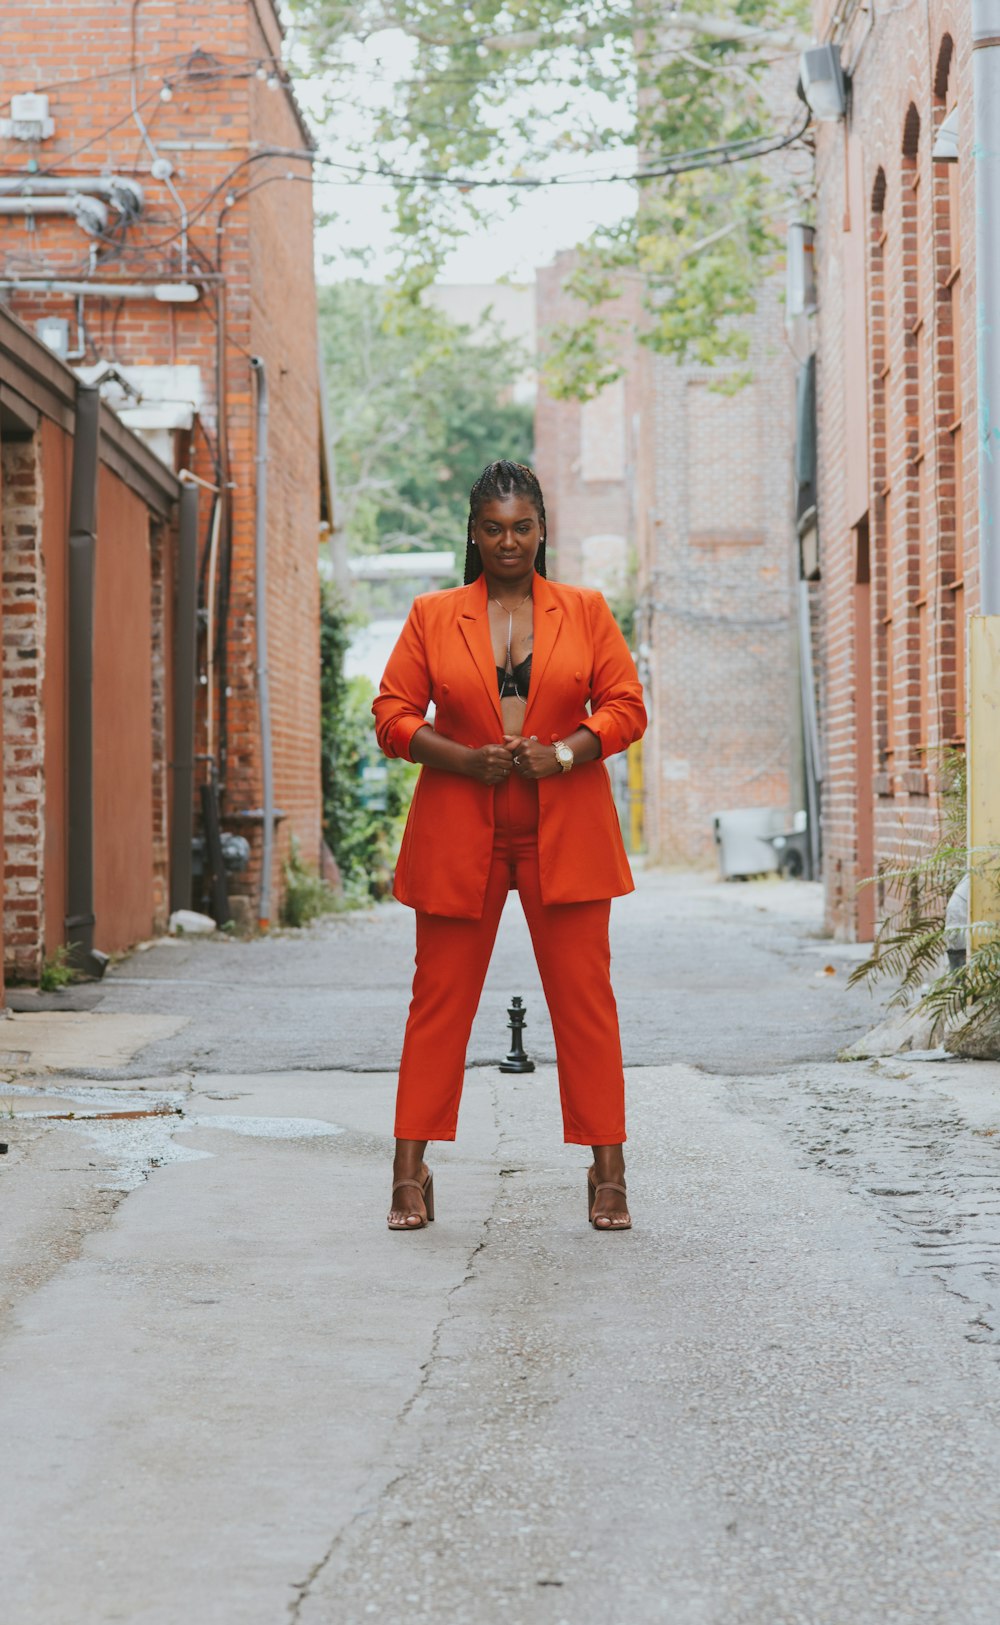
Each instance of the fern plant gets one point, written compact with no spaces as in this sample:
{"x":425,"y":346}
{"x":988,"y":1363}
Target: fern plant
{"x":913,"y":934}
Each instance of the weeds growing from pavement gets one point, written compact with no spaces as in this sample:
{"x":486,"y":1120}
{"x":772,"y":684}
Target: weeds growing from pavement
{"x":912,"y":936}
{"x":307,"y":895}
{"x":57,"y":971}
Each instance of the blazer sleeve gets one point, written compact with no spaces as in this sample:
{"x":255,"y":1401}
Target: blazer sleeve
{"x":400,"y":706}
{"x":618,"y":715}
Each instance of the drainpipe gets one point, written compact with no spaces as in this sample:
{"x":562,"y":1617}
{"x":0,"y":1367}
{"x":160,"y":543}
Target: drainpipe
{"x":260,"y":618}
{"x":986,"y":153}
{"x":182,"y":788}
{"x":983,"y":640}
{"x":80,"y":674}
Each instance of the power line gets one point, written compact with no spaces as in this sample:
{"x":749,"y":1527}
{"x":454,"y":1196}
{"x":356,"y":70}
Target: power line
{"x":178,"y":58}
{"x":731,"y":152}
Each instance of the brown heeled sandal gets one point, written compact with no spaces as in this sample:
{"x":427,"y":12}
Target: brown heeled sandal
{"x":593,"y":1187}
{"x":426,"y":1189}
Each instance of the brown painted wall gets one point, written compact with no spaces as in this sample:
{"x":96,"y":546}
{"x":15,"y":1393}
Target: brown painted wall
{"x":3,"y":952}
{"x":123,"y":746}
{"x":57,"y":453}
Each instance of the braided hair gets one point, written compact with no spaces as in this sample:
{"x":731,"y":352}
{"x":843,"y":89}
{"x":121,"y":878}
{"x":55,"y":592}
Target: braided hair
{"x":502,"y":480}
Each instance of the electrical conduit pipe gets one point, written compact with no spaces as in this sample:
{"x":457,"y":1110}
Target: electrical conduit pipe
{"x":260,"y":618}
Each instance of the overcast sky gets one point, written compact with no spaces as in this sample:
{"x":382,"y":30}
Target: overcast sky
{"x":521,"y":239}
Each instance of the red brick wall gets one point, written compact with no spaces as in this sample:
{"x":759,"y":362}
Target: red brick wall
{"x":284,"y":334}
{"x":24,"y":723}
{"x":577,"y":505}
{"x":918,"y":490}
{"x":214,"y":61}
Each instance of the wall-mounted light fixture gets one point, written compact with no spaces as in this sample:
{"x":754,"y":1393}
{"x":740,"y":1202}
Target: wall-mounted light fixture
{"x":822,"y":85}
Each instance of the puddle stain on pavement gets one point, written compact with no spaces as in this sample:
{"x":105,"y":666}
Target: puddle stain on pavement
{"x":934,"y":1178}
{"x":133,"y":1138}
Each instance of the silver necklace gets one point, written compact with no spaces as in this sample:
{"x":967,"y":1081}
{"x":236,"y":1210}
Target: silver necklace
{"x":508,"y":670}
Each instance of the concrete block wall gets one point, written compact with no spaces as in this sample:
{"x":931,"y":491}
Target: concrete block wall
{"x":704,"y":503}
{"x":715,"y":598}
{"x":589,"y":489}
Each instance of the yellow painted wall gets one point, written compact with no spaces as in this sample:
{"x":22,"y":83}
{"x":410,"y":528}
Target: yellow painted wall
{"x":984,"y":757}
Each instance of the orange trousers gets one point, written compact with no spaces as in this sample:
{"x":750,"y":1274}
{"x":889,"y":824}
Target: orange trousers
{"x":574,"y":960}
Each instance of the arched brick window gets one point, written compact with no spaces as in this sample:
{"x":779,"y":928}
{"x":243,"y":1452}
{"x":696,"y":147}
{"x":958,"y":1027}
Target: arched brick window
{"x":911,"y":565}
{"x":880,"y":503}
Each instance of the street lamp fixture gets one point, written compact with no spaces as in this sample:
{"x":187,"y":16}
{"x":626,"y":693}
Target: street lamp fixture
{"x":822,"y":85}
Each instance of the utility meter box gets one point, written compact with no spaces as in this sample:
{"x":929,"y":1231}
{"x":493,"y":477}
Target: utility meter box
{"x":742,"y":840}
{"x":29,"y":118}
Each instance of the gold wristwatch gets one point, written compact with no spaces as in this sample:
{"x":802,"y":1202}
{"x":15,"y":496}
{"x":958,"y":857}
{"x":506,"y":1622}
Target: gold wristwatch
{"x":564,"y":756}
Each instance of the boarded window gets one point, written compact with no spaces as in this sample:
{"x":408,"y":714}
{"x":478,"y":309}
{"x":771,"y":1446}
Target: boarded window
{"x":602,"y":435}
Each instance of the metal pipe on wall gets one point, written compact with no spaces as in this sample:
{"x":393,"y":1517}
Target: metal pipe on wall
{"x":260,"y":619}
{"x":82,"y":549}
{"x":983,"y":634}
{"x":185,"y":678}
{"x":167,"y":293}
{"x":121,"y":190}
{"x":213,"y":552}
{"x":88,"y":212}
{"x":986,"y":156}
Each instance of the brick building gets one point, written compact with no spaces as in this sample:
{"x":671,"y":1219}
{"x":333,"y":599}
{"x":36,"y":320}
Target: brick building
{"x":86,"y":837}
{"x":897,"y":489}
{"x":668,"y":491}
{"x":157,"y":230}
{"x":586,"y":452}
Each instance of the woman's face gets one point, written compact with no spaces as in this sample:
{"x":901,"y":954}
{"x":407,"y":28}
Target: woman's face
{"x":508,"y":535}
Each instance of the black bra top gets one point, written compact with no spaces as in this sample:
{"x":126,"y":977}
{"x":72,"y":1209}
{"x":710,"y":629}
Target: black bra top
{"x":513,"y":682}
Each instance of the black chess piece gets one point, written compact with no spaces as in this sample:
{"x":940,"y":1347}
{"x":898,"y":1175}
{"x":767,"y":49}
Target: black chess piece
{"x":516,"y":1060}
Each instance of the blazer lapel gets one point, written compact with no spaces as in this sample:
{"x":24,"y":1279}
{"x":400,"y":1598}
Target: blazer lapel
{"x":548,"y":620}
{"x":475,"y":623}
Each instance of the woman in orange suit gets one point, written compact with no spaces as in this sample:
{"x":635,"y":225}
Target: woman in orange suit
{"x":513,"y":793}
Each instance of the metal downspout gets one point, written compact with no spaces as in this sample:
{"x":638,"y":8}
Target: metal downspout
{"x":185,"y":632}
{"x":986,"y":155}
{"x":260,"y":619}
{"x":810,"y":732}
{"x":80,"y":677}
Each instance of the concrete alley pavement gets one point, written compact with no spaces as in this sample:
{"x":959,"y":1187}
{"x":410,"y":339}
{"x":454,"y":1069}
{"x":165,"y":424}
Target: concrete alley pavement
{"x":230,"y":1395}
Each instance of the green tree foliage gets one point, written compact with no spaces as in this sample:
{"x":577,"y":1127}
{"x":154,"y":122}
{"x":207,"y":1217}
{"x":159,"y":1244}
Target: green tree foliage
{"x":362,"y":836}
{"x":496,"y":87}
{"x":417,"y":407}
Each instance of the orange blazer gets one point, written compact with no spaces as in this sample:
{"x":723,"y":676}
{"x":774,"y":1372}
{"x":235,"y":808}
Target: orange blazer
{"x":445,"y":654}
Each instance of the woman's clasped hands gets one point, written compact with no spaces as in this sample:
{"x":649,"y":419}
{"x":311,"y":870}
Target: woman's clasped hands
{"x":492,"y":764}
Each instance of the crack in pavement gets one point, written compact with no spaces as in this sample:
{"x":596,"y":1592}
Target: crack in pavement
{"x":304,"y":1588}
